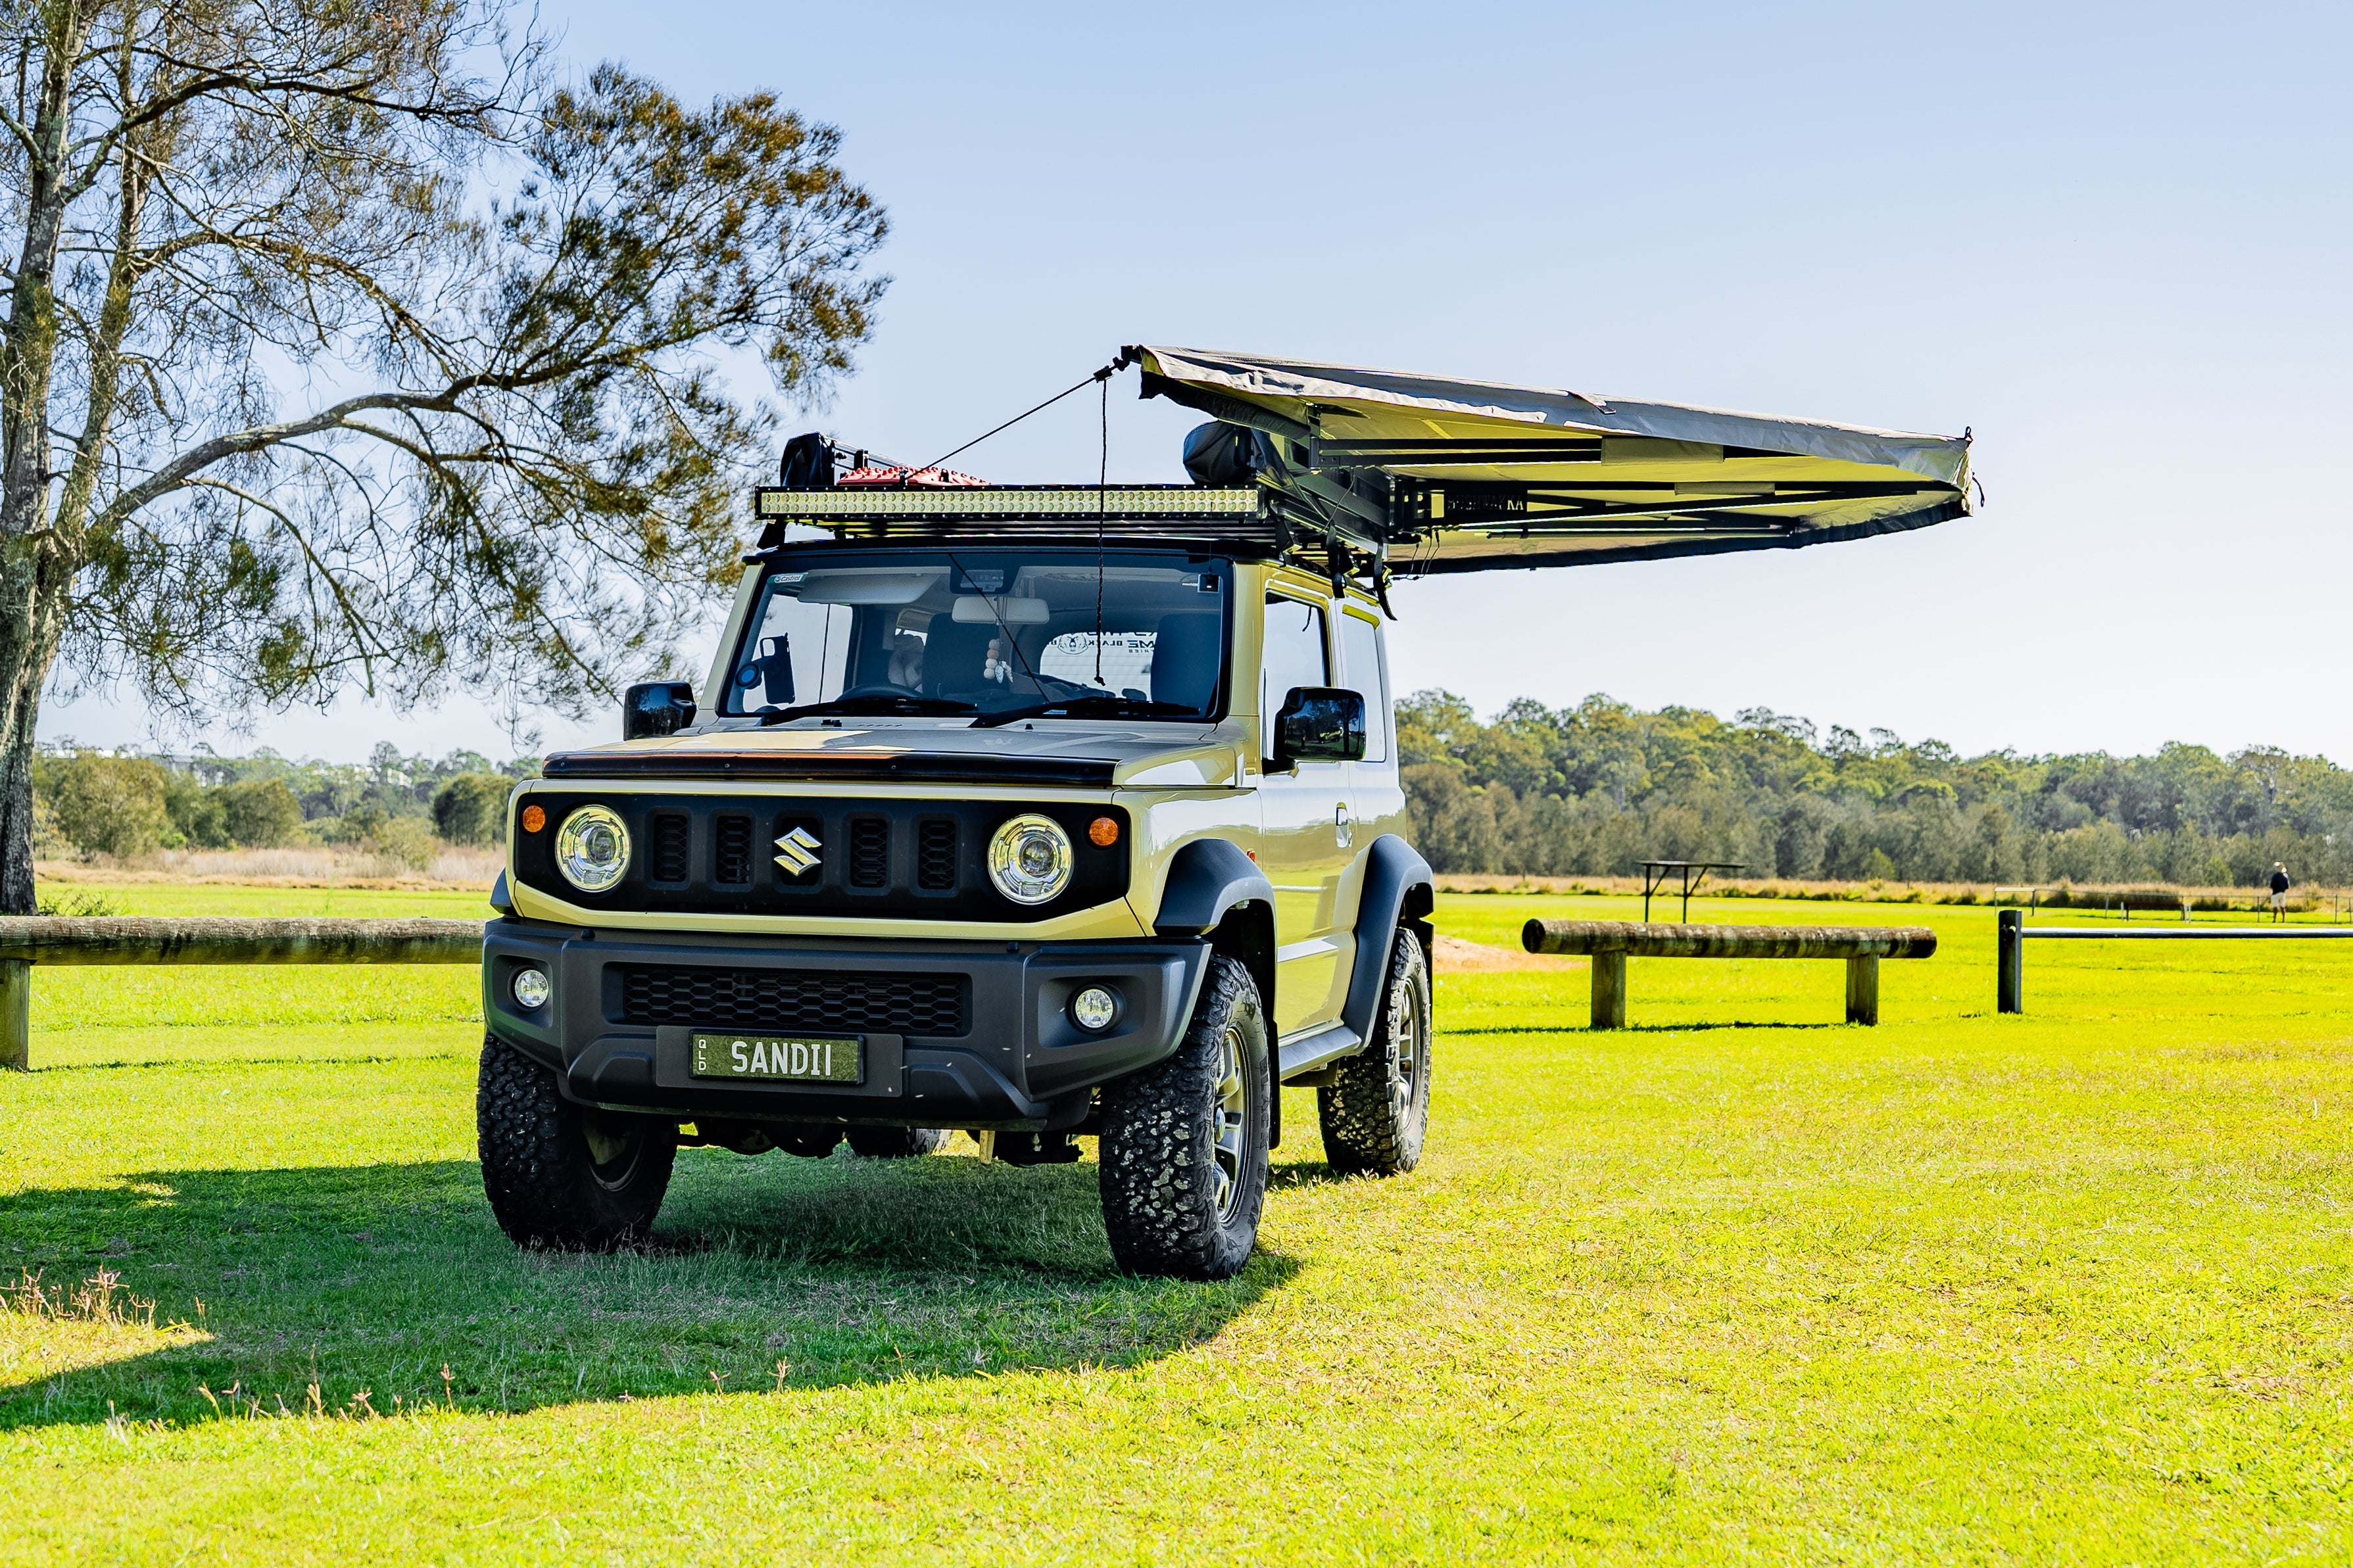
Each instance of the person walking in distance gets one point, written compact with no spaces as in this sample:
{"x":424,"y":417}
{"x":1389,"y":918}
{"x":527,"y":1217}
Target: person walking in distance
{"x":2279,"y":889}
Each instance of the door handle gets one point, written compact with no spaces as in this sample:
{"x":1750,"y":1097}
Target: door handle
{"x":1344,"y":828}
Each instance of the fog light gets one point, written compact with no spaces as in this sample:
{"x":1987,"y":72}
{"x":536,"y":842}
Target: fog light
{"x":531,"y":989}
{"x":1093,"y":1009}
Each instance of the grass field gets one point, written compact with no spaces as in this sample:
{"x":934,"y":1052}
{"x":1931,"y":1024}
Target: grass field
{"x":1739,"y":1282}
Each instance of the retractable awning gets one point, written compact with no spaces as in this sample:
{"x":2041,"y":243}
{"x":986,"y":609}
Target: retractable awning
{"x":1439,"y":475}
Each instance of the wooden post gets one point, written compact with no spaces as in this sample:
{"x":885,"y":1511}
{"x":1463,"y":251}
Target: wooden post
{"x":1862,"y":989}
{"x":16,"y":1015}
{"x":1609,"y":990}
{"x":2010,"y":962}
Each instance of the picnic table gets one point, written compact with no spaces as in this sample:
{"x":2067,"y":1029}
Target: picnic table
{"x":1690,"y":873}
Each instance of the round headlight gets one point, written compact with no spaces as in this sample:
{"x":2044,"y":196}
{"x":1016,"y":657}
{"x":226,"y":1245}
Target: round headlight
{"x":531,"y":989}
{"x":1093,"y":1009}
{"x":592,"y":849}
{"x":1029,"y":859}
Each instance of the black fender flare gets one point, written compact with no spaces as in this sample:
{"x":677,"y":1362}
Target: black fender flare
{"x":1209,"y":877}
{"x":1400,"y":889}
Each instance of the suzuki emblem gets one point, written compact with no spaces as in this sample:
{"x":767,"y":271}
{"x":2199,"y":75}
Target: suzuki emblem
{"x":798,"y":850}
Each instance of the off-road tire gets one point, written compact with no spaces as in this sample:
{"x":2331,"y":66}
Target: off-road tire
{"x":1376,"y":1106}
{"x":896,"y":1143}
{"x":1159,"y":1151}
{"x":546,"y":1184}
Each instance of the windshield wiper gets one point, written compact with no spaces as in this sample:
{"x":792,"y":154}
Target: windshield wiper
{"x":873,"y":704}
{"x":1086,"y":707}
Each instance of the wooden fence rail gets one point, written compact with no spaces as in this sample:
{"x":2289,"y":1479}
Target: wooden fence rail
{"x":1611,"y":942}
{"x":2012,"y":933}
{"x":94,"y":940}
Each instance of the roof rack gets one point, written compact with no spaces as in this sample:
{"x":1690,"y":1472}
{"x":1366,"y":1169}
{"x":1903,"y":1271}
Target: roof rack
{"x":1234,"y":519}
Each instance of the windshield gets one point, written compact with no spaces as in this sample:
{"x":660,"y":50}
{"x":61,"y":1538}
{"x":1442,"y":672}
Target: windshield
{"x":985,"y":632}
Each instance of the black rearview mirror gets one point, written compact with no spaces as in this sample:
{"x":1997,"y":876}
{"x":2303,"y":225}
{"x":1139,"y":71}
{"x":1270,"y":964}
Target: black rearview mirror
{"x":776,"y":664}
{"x":1319,"y":724}
{"x":656,"y":708}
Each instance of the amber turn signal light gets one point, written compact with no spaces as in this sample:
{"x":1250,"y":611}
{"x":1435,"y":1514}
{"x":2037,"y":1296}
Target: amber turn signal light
{"x":1102,"y":832}
{"x":534,"y":818}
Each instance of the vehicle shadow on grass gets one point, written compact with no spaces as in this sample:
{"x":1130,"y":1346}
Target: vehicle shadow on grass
{"x":1469,"y":1031}
{"x":760,"y":1273}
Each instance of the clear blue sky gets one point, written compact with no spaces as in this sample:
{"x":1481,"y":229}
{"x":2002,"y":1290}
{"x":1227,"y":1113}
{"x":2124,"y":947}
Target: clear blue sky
{"x":2112,"y":240}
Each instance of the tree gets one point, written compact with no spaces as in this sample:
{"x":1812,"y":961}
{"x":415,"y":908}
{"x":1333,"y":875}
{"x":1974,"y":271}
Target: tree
{"x":197,"y":814}
{"x":260,"y":813}
{"x":111,"y":806}
{"x":472,"y":808}
{"x":343,"y":346}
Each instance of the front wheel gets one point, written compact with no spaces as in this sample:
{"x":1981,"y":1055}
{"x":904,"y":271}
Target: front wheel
{"x":1376,"y":1106}
{"x":1183,"y":1146}
{"x":561,"y":1175}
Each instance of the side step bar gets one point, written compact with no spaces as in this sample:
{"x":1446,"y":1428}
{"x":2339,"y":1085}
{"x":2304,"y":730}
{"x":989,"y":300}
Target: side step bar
{"x":1309,"y":1052}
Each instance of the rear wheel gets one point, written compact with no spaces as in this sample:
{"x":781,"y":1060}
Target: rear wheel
{"x":1376,"y":1106}
{"x":561,"y":1175}
{"x":1183,"y":1146}
{"x":897,"y":1143}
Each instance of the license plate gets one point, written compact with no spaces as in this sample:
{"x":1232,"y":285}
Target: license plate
{"x":798,"y":1058}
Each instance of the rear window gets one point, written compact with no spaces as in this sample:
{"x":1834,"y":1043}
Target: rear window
{"x":1363,"y":669}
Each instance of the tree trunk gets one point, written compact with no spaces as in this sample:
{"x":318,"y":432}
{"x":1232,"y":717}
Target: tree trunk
{"x":29,"y":624}
{"x":32,"y":579}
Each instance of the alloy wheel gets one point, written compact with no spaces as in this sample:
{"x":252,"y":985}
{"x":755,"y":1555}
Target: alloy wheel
{"x":1228,"y":1119}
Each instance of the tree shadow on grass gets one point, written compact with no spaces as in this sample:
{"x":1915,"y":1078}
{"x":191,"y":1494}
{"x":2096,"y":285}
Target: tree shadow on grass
{"x":377,"y":1278}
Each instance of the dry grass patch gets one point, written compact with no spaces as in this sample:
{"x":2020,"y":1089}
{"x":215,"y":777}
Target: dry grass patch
{"x":1453,"y":955}
{"x":50,"y":1331}
{"x":295,"y":866}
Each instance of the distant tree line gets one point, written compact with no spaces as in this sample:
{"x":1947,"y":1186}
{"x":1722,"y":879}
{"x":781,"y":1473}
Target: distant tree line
{"x":1597,"y":788}
{"x":103,"y":803}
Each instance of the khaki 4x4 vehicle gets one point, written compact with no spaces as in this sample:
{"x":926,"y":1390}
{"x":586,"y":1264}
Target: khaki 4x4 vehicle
{"x":1052,"y":811}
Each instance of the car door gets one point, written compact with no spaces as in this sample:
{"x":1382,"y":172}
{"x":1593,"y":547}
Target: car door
{"x":1376,"y":795}
{"x":1299,"y":823}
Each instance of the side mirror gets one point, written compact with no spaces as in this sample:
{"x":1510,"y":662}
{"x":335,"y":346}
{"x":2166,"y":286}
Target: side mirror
{"x":1319,"y":724}
{"x":656,"y":708}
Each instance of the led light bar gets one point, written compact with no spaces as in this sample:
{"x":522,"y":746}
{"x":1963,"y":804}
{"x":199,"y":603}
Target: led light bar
{"x":1012,"y":503}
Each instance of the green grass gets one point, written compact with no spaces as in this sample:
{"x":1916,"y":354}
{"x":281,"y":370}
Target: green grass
{"x":90,"y":1017}
{"x":1739,"y":1282}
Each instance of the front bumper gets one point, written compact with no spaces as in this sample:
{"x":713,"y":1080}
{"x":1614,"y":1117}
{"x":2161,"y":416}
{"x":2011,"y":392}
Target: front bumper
{"x":1017,"y":1063}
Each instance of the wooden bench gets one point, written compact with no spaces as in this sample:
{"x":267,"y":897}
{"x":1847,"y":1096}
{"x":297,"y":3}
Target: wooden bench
{"x":1611,"y":942}
{"x":2149,"y":899}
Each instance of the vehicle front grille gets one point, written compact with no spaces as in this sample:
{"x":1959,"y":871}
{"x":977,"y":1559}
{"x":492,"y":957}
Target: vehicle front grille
{"x":869,"y":852}
{"x":672,"y":834}
{"x":731,"y":862}
{"x":935,"y":855}
{"x":913,"y":857}
{"x":794,"y":999}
